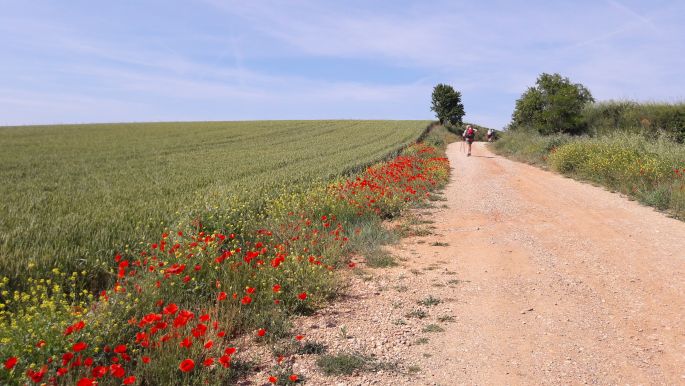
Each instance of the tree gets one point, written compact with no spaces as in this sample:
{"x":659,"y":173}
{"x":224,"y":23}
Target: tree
{"x":447,"y":104}
{"x":554,"y":105}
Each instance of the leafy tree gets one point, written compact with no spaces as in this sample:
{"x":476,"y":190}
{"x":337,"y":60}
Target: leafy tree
{"x":447,"y":104}
{"x":554,"y":105}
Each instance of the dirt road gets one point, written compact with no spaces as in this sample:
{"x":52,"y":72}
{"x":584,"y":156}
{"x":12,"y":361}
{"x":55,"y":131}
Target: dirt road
{"x":540,"y":280}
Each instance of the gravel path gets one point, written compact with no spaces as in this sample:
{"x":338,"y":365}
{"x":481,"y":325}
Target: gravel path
{"x":540,"y":280}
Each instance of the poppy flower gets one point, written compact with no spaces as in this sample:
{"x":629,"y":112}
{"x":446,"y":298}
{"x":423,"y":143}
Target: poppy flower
{"x":221,"y":296}
{"x":80,"y":346}
{"x":61,"y":371}
{"x":302,"y":296}
{"x":146,"y":359}
{"x":186,"y":343}
{"x":277,"y":288}
{"x":299,"y":337}
{"x":120,"y":349}
{"x":186,"y":365}
{"x":130,"y":380}
{"x":170,"y":309}
{"x":37,"y":376}
{"x":293,"y":378}
{"x":273,"y":379}
{"x":230,"y":351}
{"x":261,"y":332}
{"x":208,"y":362}
{"x":99,"y":371}
{"x":117,"y":370}
{"x":85,"y":382}
{"x":209,"y":344}
{"x":225,"y":361}
{"x":11,"y":362}
{"x":246,"y":300}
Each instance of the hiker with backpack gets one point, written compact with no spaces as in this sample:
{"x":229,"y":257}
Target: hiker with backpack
{"x":491,"y":135}
{"x":469,"y":135}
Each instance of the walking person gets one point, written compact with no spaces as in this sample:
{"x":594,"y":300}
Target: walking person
{"x":491,"y":135}
{"x":469,"y":135}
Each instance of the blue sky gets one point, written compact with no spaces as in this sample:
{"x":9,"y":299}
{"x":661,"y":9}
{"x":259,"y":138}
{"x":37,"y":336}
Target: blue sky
{"x":118,"y":61}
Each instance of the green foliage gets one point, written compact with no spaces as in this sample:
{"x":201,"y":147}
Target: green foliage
{"x":651,"y":170}
{"x":74,"y":195}
{"x":429,"y":301}
{"x":380,"y":259}
{"x":554,"y":105}
{"x":528,"y":146}
{"x":651,"y":119}
{"x":446,"y":103}
{"x":433,"y":328}
{"x":343,"y":364}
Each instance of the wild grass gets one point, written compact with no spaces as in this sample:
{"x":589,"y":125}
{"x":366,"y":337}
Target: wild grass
{"x":344,"y":363}
{"x":649,"y":119}
{"x":650,"y":170}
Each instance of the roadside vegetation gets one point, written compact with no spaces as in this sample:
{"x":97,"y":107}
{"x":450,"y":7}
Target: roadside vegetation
{"x":636,"y":149}
{"x":185,"y":303}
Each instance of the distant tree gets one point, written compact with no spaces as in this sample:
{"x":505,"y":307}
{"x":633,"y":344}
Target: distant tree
{"x":447,"y":104}
{"x":554,"y":105}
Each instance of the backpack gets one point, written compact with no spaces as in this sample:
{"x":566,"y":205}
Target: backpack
{"x":470,"y":133}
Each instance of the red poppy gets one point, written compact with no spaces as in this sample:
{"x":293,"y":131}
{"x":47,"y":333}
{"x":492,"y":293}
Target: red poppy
{"x":120,"y":349}
{"x":61,"y":371}
{"x":80,"y":346}
{"x":130,"y":380}
{"x":221,"y":296}
{"x":186,"y":365}
{"x":302,"y":296}
{"x":11,"y":362}
{"x":37,"y":376}
{"x":85,"y":382}
{"x":230,"y":351}
{"x":146,"y":359}
{"x":249,"y":290}
{"x":273,"y":379}
{"x":277,"y":288}
{"x":99,"y":371}
{"x":261,"y":332}
{"x":170,"y":309}
{"x":299,"y":337}
{"x":199,"y":330}
{"x":208,"y":362}
{"x":246,"y":300}
{"x":293,"y":378}
{"x":117,"y":370}
{"x":186,"y":343}
{"x":204,"y":318}
{"x":225,"y":361}
{"x":209,"y":344}
{"x":40,"y":344}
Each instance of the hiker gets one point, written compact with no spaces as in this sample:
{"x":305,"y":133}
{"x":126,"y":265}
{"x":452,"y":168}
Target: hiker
{"x":491,"y":135}
{"x":469,"y":135}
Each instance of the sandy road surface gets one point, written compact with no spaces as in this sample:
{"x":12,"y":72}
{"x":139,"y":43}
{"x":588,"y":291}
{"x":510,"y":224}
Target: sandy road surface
{"x":544,"y":280}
